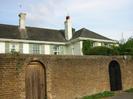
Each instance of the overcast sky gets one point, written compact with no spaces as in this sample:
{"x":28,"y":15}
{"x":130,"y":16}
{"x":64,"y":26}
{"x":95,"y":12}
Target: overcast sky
{"x":110,"y":18}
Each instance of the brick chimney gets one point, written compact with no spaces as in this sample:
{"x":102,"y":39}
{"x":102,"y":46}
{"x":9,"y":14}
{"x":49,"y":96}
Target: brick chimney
{"x":22,"y":17}
{"x":68,"y":28}
{"x":22,"y":28}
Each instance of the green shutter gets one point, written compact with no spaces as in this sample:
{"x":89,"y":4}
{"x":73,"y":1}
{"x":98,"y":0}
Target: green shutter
{"x":30,"y":48}
{"x":42,"y":49}
{"x":21,"y":47}
{"x":7,"y":47}
{"x":51,"y":49}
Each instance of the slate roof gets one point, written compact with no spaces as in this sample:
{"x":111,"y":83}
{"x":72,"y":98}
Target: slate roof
{"x":39,"y":34}
{"x":88,"y":34}
{"x":42,"y":34}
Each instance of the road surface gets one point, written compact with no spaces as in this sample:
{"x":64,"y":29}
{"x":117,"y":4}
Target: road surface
{"x":122,"y":96}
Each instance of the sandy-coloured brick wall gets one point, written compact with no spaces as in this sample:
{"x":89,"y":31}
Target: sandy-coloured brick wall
{"x":67,"y":77}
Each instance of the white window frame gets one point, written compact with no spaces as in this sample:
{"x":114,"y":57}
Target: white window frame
{"x":36,"y":49}
{"x":56,"y":49}
{"x":14,"y":47}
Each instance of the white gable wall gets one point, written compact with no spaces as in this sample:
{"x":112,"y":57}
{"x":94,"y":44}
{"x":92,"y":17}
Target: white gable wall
{"x":68,"y":49}
{"x":74,"y":48}
{"x":77,"y":50}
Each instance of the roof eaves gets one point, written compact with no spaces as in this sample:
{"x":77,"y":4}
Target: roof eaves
{"x":99,"y":40}
{"x":31,"y":41}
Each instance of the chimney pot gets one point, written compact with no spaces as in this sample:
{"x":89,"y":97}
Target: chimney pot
{"x":67,"y":17}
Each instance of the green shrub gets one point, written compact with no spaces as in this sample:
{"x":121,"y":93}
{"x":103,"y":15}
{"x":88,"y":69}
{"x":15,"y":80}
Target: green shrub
{"x":86,"y":46}
{"x":123,"y":49}
{"x":101,"y":50}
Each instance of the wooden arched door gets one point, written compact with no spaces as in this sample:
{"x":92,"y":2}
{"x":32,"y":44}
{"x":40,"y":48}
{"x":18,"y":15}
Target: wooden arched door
{"x":35,"y":81}
{"x":115,"y":76}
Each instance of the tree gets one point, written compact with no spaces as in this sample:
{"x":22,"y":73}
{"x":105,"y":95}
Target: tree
{"x":86,"y":46}
{"x":126,"y":48}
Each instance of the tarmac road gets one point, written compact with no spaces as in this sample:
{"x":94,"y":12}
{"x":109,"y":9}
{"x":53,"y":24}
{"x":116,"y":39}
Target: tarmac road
{"x":122,"y":96}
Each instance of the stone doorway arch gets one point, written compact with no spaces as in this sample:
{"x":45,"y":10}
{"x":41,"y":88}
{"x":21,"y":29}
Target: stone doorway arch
{"x":35,"y":81}
{"x":115,"y":76}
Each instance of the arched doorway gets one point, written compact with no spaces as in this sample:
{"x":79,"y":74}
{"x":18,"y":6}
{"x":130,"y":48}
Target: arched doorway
{"x":115,"y":76}
{"x":35,"y":81}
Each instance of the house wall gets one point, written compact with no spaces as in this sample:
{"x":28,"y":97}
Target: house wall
{"x":74,"y":48}
{"x":77,"y":48}
{"x":26,"y":48}
{"x":67,"y":77}
{"x":68,"y":49}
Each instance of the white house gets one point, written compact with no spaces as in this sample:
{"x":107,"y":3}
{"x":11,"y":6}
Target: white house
{"x":32,"y":40}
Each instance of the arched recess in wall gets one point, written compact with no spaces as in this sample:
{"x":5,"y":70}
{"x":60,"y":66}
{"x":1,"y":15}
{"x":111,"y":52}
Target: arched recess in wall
{"x":35,"y":81}
{"x":115,"y":76}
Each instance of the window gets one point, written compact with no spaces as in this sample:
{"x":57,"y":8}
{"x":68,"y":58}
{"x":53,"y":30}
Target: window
{"x":56,"y":50}
{"x":35,"y":49}
{"x":14,"y":47}
{"x":97,"y":44}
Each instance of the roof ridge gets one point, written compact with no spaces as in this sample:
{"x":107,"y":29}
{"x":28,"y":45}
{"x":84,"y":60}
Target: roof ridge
{"x":30,"y":27}
{"x":43,"y":28}
{"x":8,"y":25}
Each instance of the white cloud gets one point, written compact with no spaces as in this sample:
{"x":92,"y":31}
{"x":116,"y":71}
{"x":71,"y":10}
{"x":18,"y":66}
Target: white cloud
{"x":84,"y":6}
{"x":43,"y":10}
{"x":51,"y":13}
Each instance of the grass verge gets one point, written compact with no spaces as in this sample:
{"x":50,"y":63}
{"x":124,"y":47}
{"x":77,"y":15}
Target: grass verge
{"x":100,"y":95}
{"x":129,"y":90}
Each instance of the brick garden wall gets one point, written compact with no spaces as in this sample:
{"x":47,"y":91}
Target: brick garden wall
{"x":68,"y":77}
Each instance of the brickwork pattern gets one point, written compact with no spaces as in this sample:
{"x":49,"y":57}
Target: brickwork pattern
{"x":68,"y":77}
